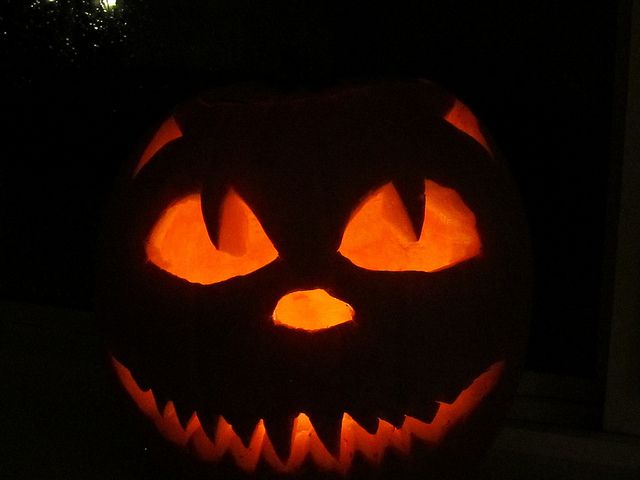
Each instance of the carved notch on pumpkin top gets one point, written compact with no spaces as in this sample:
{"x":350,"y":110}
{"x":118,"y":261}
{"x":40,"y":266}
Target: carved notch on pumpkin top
{"x":168,"y":132}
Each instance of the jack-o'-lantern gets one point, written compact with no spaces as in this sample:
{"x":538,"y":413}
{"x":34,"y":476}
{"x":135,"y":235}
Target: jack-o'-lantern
{"x":333,"y":282}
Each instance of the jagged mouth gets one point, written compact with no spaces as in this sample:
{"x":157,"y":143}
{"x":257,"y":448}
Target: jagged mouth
{"x":305,"y":443}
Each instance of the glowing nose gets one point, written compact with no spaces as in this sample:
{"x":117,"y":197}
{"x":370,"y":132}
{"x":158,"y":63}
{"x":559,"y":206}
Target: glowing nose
{"x":311,"y":310}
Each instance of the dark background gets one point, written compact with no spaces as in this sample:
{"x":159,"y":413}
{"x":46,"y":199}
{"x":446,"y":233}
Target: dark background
{"x":80,"y":87}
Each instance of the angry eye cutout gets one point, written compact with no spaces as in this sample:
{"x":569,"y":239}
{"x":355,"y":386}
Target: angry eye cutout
{"x":380,"y":235}
{"x":180,"y":244}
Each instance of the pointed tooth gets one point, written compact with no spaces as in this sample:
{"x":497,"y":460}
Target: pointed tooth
{"x":279,"y":429}
{"x":209,"y":423}
{"x":368,"y":421}
{"x":184,"y":413}
{"x":161,"y":402}
{"x":394,"y":418}
{"x":328,"y":427}
{"x":243,"y":425}
{"x":423,"y":411}
{"x":412,"y":193}
{"x":142,"y":383}
{"x":391,"y":407}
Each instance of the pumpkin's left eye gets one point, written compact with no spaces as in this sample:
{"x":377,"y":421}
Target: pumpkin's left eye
{"x":180,"y":244}
{"x":380,"y":236}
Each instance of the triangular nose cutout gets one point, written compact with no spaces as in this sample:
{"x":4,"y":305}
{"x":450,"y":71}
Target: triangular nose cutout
{"x":311,"y":310}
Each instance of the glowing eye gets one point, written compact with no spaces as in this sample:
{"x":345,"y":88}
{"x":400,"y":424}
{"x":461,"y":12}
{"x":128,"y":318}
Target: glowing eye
{"x":380,"y":236}
{"x":179,"y":242}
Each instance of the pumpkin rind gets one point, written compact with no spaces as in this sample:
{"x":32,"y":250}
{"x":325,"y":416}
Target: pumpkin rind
{"x":419,"y":340}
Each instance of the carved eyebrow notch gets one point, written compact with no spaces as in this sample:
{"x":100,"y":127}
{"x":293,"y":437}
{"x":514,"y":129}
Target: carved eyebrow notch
{"x":461,"y":117}
{"x":168,"y":132}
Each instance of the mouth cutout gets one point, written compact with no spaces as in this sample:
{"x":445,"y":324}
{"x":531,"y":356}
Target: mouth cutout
{"x":305,"y":443}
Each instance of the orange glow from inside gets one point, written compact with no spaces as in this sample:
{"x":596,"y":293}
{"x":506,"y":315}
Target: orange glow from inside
{"x":167,"y":132}
{"x":380,"y":236}
{"x":179,"y":242}
{"x":464,"y":120}
{"x":304,"y":441}
{"x":311,"y":310}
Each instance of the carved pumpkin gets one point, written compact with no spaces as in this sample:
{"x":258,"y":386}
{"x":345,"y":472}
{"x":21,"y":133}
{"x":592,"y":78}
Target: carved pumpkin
{"x":328,"y":282}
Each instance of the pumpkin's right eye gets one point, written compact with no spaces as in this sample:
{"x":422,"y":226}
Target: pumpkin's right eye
{"x":379,"y":235}
{"x":180,"y":244}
